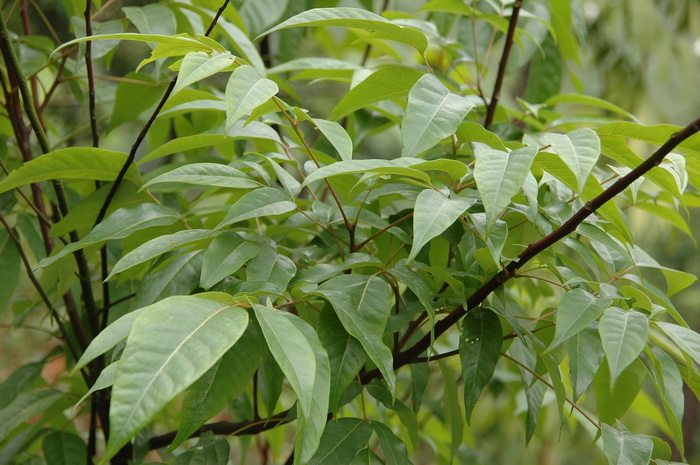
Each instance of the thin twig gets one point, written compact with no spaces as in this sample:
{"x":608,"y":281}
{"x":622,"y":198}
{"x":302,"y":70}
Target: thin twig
{"x":373,"y":236}
{"x":491,"y":111}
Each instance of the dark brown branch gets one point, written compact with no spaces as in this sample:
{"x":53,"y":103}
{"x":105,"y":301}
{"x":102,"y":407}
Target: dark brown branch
{"x":491,"y":111}
{"x":142,"y":135}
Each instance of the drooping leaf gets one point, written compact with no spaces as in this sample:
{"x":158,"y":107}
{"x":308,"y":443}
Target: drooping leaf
{"x":685,"y":338}
{"x":499,"y":176}
{"x":25,"y":405}
{"x":577,"y":309}
{"x":363,"y":305}
{"x":272,"y":268}
{"x":199,"y":65}
{"x":625,"y":448}
{"x":170,"y":346}
{"x":394,"y":449}
{"x":334,"y":132}
{"x":175,"y":275}
{"x":358,"y":19}
{"x":225,"y":255}
{"x":119,"y":225}
{"x":71,"y":163}
{"x":624,"y":335}
{"x":432,"y":114}
{"x":579,"y":149}
{"x":265,"y":201}
{"x":9,"y":272}
{"x":433,"y":214}
{"x":479,"y":350}
{"x":246,"y":90}
{"x":585,"y":355}
{"x":341,"y":441}
{"x":110,"y":337}
{"x":62,"y":448}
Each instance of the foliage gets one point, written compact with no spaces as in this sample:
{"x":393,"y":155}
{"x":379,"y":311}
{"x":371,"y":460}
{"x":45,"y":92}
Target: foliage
{"x":332,"y":268}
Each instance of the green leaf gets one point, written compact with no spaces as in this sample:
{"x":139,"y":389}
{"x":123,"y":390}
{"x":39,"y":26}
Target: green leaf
{"x":399,"y":167}
{"x":386,"y":83}
{"x":153,"y":370}
{"x":579,"y":149}
{"x":158,"y":246}
{"x":432,"y":114}
{"x":577,"y":309}
{"x":341,"y":441}
{"x":499,"y":176}
{"x":182,"y":40}
{"x":200,"y":65}
{"x":120,"y":224}
{"x":105,"y":380}
{"x":433,"y":214}
{"x":151,"y":19}
{"x":225,"y":255}
{"x":345,"y":354}
{"x":272,"y":268}
{"x":61,"y":448}
{"x":220,"y":385}
{"x":265,"y":201}
{"x":578,"y":99}
{"x":174,"y":275}
{"x":10,"y":270}
{"x":72,"y":163}
{"x":363,"y":305}
{"x":358,"y":19}
{"x":657,"y":135}
{"x":334,"y":132}
{"x":206,"y":174}
{"x":21,"y":380}
{"x":625,"y":448}
{"x":613,"y":403}
{"x":134,"y":95}
{"x":301,"y":357}
{"x":479,"y":350}
{"x":585,"y":356}
{"x":246,"y":90}
{"x":474,"y":132}
{"x":685,"y":338}
{"x":109,"y":337}
{"x":393,"y":448}
{"x":624,"y":335}
{"x":241,"y":43}
{"x":366,"y":457}
{"x":26,"y":405}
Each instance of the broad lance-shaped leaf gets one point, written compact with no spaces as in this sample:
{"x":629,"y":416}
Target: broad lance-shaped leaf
{"x":685,"y":338}
{"x":158,"y":246}
{"x":120,"y":224}
{"x":479,"y":349}
{"x":577,"y":309}
{"x":113,"y":335}
{"x":224,"y":256}
{"x":363,"y":305}
{"x":170,"y":346}
{"x":334,"y":132}
{"x":199,"y":65}
{"x":625,"y":448}
{"x":341,"y":441}
{"x":394,"y":449}
{"x":624,"y":335}
{"x":304,"y":362}
{"x":206,"y":174}
{"x":72,"y":163}
{"x":356,"y":18}
{"x":432,"y":114}
{"x":246,"y":90}
{"x":585,"y":356}
{"x":499,"y":176}
{"x":265,"y":201}
{"x":579,"y":149}
{"x":433,"y":214}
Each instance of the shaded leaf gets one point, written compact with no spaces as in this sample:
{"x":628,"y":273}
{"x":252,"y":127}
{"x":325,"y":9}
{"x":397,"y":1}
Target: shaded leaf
{"x":577,"y":309}
{"x":61,"y":448}
{"x":341,"y":441}
{"x":624,"y":335}
{"x":224,"y":256}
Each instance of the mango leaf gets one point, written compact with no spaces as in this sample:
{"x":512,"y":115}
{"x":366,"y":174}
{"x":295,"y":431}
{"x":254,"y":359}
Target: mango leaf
{"x":170,"y":346}
{"x":363,"y":305}
{"x":585,"y":356}
{"x":432,"y":114}
{"x":358,"y":19}
{"x":394,"y":449}
{"x":433,"y":214}
{"x":199,"y":65}
{"x":61,"y":448}
{"x":206,"y":174}
{"x":72,"y":163}
{"x":220,"y":385}
{"x":499,"y":176}
{"x":341,"y":441}
{"x":685,"y":338}
{"x":224,"y":256}
{"x":479,"y":350}
{"x":120,"y":224}
{"x":386,"y":83}
{"x":301,"y":357}
{"x":158,"y":246}
{"x":265,"y":201}
{"x":579,"y":149}
{"x":577,"y":309}
{"x":246,"y":90}
{"x":624,"y":335}
{"x":625,"y":448}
